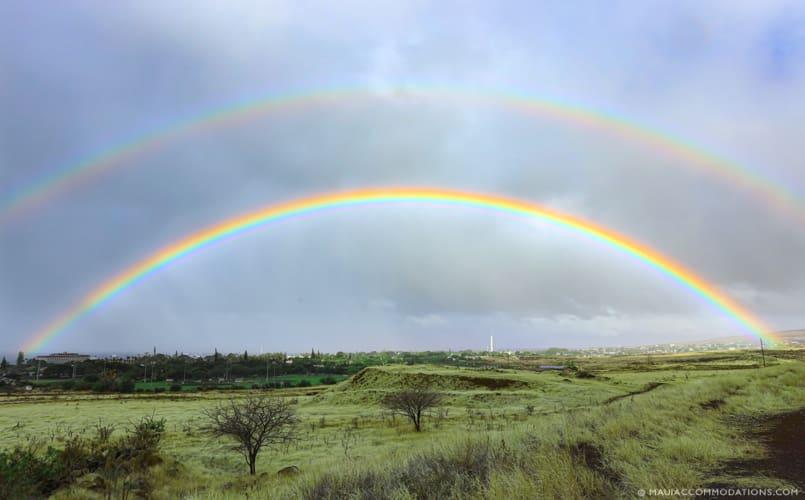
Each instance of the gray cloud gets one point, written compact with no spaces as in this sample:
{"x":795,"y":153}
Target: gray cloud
{"x":79,"y":78}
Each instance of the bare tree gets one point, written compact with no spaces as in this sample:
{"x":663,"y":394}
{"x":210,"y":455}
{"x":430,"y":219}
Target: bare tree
{"x":255,"y":423}
{"x":412,"y":403}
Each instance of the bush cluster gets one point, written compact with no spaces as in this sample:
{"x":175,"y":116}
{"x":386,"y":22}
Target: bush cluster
{"x":127,"y":385}
{"x":96,"y":384}
{"x":27,"y":472}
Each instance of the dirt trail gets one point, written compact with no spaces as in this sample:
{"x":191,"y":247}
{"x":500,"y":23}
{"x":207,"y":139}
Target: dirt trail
{"x":783,"y":436}
{"x":649,"y":387}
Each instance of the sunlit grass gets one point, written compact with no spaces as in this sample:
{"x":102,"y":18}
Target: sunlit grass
{"x":568,"y":444}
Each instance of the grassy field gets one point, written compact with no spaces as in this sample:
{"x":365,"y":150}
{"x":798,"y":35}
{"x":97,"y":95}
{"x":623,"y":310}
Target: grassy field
{"x":609,"y":429}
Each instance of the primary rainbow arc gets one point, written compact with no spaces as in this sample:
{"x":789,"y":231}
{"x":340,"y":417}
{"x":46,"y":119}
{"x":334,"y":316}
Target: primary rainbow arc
{"x":364,"y":197}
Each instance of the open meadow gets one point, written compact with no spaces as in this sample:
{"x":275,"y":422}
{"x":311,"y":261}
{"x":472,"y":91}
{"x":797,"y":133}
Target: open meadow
{"x":607,"y":428}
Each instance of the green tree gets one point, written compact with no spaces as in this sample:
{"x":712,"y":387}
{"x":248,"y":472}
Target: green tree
{"x":20,"y":358}
{"x":245,"y":355}
{"x":215,"y":356}
{"x":3,"y":364}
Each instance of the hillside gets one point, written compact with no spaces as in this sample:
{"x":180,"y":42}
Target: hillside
{"x":788,"y":337}
{"x":480,"y":387}
{"x":446,"y":379}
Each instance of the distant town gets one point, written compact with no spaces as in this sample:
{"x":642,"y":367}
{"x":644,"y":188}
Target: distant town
{"x":789,"y":339}
{"x":154,"y":371}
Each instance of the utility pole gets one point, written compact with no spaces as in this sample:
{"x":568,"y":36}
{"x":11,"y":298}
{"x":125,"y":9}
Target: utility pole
{"x":762,"y":353}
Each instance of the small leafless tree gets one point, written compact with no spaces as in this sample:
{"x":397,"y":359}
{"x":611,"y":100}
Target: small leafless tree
{"x":255,"y":423}
{"x":348,"y":440}
{"x":412,"y":403}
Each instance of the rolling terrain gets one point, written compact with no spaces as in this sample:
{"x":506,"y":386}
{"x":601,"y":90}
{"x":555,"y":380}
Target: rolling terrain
{"x":605,"y":427}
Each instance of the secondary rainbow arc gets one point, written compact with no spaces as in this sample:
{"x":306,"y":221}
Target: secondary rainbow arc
{"x":38,"y":193}
{"x":272,"y":213}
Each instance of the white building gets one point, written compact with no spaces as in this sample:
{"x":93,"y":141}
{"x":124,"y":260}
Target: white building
{"x":62,"y":358}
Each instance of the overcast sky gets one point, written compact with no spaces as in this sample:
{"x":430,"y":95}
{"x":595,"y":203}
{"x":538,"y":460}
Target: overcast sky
{"x":79,"y":77}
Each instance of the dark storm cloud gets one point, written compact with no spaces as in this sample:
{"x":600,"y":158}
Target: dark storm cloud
{"x":79,"y":78}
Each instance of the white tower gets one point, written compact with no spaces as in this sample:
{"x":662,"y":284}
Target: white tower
{"x":491,"y":343}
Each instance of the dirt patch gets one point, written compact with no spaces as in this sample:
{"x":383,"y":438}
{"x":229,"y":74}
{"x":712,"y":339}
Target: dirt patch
{"x":370,"y":378}
{"x":782,"y":436}
{"x":493,"y":383}
{"x":713,"y":404}
{"x":648,"y":387}
{"x":592,"y":456}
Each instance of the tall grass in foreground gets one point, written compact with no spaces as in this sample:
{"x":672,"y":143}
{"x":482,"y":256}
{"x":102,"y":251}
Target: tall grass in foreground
{"x":676,"y":436}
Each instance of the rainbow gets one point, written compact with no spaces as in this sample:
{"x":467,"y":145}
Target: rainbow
{"x":242,"y":224}
{"x":65,"y":179}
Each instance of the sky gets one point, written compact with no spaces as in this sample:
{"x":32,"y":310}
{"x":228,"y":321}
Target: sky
{"x":78,"y":78}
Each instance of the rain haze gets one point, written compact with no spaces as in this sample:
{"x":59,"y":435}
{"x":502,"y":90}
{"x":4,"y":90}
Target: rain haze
{"x":81,"y":78}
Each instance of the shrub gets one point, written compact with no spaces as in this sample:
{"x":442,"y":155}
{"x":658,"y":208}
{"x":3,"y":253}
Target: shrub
{"x":91,"y":378}
{"x":68,"y":385}
{"x":304,"y":383}
{"x":103,"y":432}
{"x":329,"y":380}
{"x":176,"y":387}
{"x":141,"y":445}
{"x":105,"y":385}
{"x":99,"y":387}
{"x":126,"y":385}
{"x":27,"y":473}
{"x":159,"y":389}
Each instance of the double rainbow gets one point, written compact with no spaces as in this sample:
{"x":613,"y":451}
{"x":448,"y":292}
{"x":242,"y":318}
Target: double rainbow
{"x":367,"y":197}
